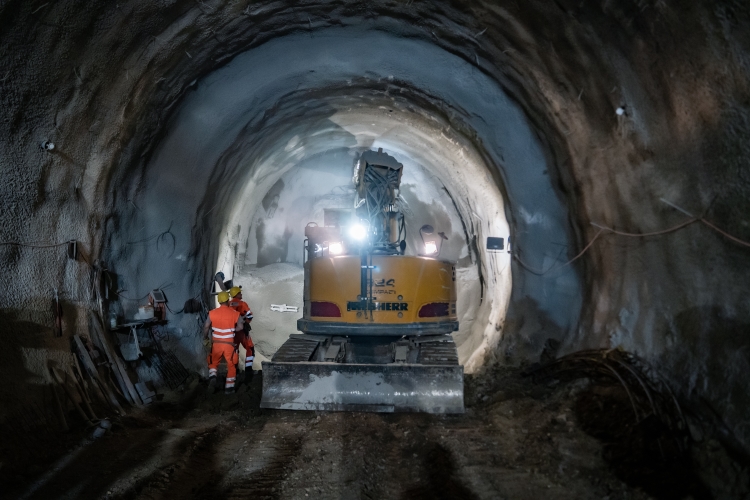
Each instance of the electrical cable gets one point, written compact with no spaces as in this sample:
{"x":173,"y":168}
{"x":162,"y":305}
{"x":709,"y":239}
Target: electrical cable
{"x":85,"y":259}
{"x":128,"y":298}
{"x":34,"y":245}
{"x":632,"y":235}
{"x":733,"y":238}
{"x":642,"y":235}
{"x":183,"y":307}
{"x":156,"y":236}
{"x":675,"y":228}
{"x":96,"y":272}
{"x":175,"y":313}
{"x":553,"y":267}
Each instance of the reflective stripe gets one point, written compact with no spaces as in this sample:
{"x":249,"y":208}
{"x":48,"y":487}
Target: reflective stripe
{"x":231,"y":379}
{"x":249,"y":315}
{"x":223,"y":336}
{"x":223,"y":319}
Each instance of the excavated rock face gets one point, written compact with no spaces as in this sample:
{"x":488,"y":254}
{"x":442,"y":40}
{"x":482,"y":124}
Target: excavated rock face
{"x":167,"y":117}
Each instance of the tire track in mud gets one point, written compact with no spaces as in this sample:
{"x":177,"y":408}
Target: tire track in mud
{"x":193,"y":475}
{"x":266,"y":483}
{"x":441,"y":479}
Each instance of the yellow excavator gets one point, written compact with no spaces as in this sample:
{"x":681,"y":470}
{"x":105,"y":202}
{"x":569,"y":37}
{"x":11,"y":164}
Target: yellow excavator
{"x":376,"y":324}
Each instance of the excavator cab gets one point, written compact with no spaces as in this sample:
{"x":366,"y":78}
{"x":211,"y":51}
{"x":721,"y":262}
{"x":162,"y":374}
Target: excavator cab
{"x":376,"y":324}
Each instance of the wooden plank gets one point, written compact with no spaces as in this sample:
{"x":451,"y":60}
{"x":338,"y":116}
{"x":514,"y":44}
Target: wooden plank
{"x":80,"y":384}
{"x":95,"y":389}
{"x":128,"y":383}
{"x":118,"y":365}
{"x":99,"y":341}
{"x":59,"y":410}
{"x":70,"y":395}
{"x":90,"y":368}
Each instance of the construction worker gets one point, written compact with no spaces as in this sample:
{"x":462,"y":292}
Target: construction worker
{"x":225,"y":323}
{"x":243,"y":338}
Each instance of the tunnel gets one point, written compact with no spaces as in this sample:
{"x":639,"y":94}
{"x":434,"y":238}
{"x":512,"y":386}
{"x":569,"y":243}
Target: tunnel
{"x":147,"y":146}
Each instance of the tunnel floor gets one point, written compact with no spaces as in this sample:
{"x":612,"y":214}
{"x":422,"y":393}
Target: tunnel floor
{"x":518,"y":439}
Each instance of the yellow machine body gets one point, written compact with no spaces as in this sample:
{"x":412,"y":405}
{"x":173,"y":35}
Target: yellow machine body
{"x":376,"y":323}
{"x":408,"y":295}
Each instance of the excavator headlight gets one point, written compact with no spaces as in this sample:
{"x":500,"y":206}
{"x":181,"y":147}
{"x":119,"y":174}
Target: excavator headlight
{"x":430,"y":248}
{"x":335,"y":248}
{"x":358,"y":232}
{"x":427,"y":232}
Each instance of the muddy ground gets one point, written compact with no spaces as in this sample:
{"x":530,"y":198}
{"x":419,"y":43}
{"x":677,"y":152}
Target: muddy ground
{"x":517,"y":440}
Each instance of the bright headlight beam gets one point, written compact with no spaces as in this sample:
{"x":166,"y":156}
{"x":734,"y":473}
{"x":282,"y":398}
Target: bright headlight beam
{"x":430,"y":247}
{"x":335,"y":248}
{"x":358,"y":232}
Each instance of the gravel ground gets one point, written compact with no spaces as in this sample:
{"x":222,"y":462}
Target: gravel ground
{"x":517,"y":440}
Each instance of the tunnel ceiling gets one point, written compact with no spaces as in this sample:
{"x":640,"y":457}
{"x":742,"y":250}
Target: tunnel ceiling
{"x":620,"y":105}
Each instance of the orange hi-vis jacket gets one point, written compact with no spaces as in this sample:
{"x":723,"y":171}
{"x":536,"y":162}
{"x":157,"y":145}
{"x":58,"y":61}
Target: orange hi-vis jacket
{"x":223,"y":321}
{"x":243,"y":338}
{"x":241,"y":307}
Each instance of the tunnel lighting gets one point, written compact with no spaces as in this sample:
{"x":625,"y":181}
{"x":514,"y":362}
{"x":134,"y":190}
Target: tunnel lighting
{"x":430,"y":247}
{"x":358,"y":232}
{"x":336,"y":248}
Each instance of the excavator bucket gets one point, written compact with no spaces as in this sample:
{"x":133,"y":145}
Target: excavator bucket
{"x":428,"y":378}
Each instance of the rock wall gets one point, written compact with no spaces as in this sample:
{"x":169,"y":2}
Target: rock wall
{"x":108,"y":83}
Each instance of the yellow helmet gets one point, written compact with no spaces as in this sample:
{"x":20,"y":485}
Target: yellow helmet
{"x":234,"y":291}
{"x":222,"y":297}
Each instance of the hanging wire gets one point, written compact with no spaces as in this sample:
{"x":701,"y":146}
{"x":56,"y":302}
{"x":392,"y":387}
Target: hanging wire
{"x":602,"y":229}
{"x":643,"y":235}
{"x":733,"y":238}
{"x":183,"y":307}
{"x":128,"y":298}
{"x":34,"y":245}
{"x":175,"y":313}
{"x":553,"y":267}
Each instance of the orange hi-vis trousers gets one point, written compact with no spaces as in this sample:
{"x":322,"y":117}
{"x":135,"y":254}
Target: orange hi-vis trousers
{"x":229,"y":352}
{"x":243,"y":339}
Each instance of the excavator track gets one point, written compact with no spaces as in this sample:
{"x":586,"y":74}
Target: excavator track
{"x":345,"y":374}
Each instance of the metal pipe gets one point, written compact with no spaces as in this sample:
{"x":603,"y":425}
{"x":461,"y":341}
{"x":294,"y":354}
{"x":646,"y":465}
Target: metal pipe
{"x":363,"y":276}
{"x":370,"y":295}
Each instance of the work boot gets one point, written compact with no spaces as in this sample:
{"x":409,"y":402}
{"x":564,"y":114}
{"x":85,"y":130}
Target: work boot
{"x":229,"y":390}
{"x":248,"y":375}
{"x":211,"y":384}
